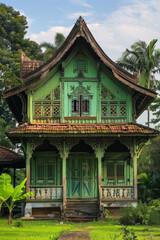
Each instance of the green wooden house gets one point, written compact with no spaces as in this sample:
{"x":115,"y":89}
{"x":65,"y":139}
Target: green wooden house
{"x":77,"y":123}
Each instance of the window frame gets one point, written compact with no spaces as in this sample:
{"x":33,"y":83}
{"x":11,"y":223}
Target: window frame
{"x":76,"y":69}
{"x":114,"y":181}
{"x":116,"y":103}
{"x":80,"y":99}
{"x":46,"y":161}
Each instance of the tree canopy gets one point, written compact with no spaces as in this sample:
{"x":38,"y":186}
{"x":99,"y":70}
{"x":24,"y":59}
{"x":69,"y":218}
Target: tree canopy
{"x":13,"y":27}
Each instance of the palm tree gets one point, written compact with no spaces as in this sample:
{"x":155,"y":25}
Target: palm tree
{"x":50,"y":48}
{"x":144,"y":60}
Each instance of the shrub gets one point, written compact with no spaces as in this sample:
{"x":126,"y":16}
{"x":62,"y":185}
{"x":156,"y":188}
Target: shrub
{"x":18,"y":224}
{"x":143,"y":214}
{"x":129,"y":216}
{"x":128,"y":234}
{"x":107,"y":216}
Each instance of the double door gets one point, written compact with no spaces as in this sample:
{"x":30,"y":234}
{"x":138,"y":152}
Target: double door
{"x":81,"y":176}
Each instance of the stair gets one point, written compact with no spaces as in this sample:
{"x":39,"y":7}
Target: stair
{"x":81,"y":211}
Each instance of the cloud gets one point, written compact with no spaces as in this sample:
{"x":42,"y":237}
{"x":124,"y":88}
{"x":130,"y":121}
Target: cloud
{"x":49,"y":35}
{"x":82,"y":3}
{"x":137,"y":20}
{"x":86,"y":5}
{"x":76,"y":15}
{"x":29,"y":20}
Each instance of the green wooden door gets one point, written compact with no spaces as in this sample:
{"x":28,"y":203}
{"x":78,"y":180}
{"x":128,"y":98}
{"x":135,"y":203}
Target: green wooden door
{"x":81,"y":176}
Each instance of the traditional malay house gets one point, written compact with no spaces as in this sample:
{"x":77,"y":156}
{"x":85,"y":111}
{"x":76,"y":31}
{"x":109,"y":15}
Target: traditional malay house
{"x":77,"y":123}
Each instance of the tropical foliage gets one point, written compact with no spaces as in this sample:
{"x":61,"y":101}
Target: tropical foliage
{"x":144,"y":60}
{"x":149,"y":186}
{"x":51,"y":48}
{"x":10,"y":195}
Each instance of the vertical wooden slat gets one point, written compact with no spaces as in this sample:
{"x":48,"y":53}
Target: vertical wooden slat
{"x":28,"y":156}
{"x":135,"y":171}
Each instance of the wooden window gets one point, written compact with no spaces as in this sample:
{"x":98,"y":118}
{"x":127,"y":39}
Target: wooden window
{"x":50,"y":173}
{"x":80,"y":64}
{"x":75,"y":106}
{"x":85,"y":106}
{"x":115,"y":173}
{"x":120,"y":173}
{"x":44,"y":171}
{"x":40,"y":176}
{"x":80,"y":105}
{"x":110,"y":171}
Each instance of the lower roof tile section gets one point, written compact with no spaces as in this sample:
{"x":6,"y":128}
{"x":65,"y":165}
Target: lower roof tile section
{"x":60,"y":128}
{"x":8,"y":155}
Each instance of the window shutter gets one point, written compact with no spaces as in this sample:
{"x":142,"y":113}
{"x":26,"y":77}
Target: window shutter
{"x":40,"y":173}
{"x":75,"y":106}
{"x":85,"y":106}
{"x":51,"y":172}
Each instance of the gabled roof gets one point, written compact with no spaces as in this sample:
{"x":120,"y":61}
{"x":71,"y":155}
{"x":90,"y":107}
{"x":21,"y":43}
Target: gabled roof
{"x":80,"y":30}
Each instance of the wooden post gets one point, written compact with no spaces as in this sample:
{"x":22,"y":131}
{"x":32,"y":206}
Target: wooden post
{"x":64,"y":179}
{"x":135,"y":172}
{"x":100,"y":175}
{"x":64,"y":155}
{"x":28,"y":156}
{"x":99,"y":157}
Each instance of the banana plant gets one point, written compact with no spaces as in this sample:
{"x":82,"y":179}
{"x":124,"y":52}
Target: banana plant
{"x":10,"y":195}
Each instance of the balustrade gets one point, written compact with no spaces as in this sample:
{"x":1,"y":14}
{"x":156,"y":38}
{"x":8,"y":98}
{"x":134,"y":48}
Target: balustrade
{"x":117,"y":192}
{"x":44,"y":192}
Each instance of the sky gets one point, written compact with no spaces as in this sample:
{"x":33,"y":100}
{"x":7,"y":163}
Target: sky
{"x":115,"y":24}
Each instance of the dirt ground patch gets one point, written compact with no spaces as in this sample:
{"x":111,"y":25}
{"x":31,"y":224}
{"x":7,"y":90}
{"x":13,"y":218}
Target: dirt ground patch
{"x":74,"y":236}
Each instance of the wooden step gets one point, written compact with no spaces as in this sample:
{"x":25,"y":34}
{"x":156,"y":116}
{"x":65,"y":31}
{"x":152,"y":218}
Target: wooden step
{"x":82,"y":211}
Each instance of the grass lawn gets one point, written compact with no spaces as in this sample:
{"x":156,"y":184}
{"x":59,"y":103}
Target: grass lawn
{"x":45,"y":229}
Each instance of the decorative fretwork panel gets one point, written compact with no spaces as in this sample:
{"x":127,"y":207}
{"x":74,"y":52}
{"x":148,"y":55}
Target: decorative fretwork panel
{"x":47,"y":192}
{"x":57,"y":93}
{"x":48,"y":97}
{"x":37,"y":109}
{"x":56,"y":109}
{"x":118,"y":193}
{"x":49,"y":107}
{"x":104,"y":109}
{"x":106,"y":94}
{"x":47,"y":110}
{"x":113,"y":110}
{"x":123,"y":110}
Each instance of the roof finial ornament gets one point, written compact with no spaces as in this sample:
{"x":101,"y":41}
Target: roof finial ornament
{"x":80,"y":23}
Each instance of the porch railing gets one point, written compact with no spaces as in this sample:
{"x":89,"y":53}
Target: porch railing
{"x":47,"y":192}
{"x":117,"y":192}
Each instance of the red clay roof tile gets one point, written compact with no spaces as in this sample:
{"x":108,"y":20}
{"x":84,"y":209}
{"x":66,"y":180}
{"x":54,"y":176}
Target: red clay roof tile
{"x":8,"y":155}
{"x":60,"y":128}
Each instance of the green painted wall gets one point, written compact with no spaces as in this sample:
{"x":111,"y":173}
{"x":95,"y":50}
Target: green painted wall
{"x":87,"y":82}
